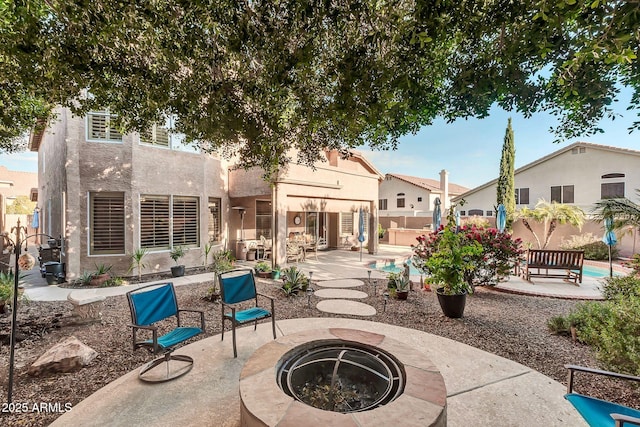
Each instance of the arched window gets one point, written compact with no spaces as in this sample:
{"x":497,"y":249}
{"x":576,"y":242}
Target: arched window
{"x":613,"y":175}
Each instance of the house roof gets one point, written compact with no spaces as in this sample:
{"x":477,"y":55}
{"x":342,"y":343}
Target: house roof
{"x":429,"y":184}
{"x":551,"y":156}
{"x":366,"y":163}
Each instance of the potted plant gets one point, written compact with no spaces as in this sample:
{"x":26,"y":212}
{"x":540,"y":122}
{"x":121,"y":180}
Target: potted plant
{"x":101,"y":275}
{"x":275,"y":272}
{"x":402,"y":286}
{"x":449,"y":266}
{"x":263,"y":269}
{"x":176,"y":253}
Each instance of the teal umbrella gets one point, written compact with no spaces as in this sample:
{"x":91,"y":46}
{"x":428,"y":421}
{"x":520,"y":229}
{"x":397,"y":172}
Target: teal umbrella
{"x":501,"y":218}
{"x":361,"y":236}
{"x":437,"y":214}
{"x":610,"y":239}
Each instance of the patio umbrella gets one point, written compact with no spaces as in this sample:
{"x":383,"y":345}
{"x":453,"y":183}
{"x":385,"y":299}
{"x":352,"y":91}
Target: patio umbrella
{"x":35,"y":222}
{"x":361,"y":236}
{"x":501,"y":218}
{"x":458,"y":220}
{"x":437,"y":214}
{"x":610,"y":239}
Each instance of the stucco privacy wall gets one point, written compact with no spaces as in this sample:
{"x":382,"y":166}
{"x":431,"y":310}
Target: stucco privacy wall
{"x":84,"y":167}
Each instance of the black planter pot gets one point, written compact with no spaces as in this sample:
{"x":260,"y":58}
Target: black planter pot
{"x":177,"y":271}
{"x":452,"y":305}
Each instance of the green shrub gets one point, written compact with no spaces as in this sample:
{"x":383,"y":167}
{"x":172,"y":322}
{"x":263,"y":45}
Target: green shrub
{"x":621,"y":286}
{"x":598,"y":251}
{"x":612,"y":328}
{"x":634,"y":264}
{"x":381,"y":231}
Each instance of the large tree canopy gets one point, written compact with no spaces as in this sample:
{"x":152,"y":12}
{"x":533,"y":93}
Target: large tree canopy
{"x":260,"y":77}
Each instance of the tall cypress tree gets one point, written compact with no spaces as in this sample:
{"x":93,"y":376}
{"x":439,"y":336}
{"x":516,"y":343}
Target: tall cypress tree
{"x":506,"y":192}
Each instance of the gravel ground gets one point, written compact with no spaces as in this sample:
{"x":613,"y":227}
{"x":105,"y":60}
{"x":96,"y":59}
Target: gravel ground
{"x":511,"y":326}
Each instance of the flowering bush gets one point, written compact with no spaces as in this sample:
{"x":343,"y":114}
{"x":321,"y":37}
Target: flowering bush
{"x":492,"y":264}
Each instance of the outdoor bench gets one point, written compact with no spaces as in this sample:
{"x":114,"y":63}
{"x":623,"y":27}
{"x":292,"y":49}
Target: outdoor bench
{"x":554,"y":263}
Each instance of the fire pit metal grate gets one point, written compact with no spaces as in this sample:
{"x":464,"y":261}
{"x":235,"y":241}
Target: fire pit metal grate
{"x":340,"y":376}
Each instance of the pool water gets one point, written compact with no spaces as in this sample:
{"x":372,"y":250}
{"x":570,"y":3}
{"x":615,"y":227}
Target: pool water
{"x":587,"y":270}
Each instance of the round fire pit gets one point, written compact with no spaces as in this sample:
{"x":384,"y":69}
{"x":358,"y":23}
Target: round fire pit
{"x":340,"y":376}
{"x":325,"y":376}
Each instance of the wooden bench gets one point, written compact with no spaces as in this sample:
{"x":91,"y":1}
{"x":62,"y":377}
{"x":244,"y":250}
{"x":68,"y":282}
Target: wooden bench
{"x":554,"y":263}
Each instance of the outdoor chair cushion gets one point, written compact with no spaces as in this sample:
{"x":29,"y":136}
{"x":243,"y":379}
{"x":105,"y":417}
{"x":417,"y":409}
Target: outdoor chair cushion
{"x":597,"y":412}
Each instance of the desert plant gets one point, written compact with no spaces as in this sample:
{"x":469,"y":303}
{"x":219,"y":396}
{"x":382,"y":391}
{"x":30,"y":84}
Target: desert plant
{"x":402,"y":283}
{"x":550,"y":215}
{"x":85,"y":278}
{"x":476,"y":221}
{"x":221,"y":261}
{"x":634,"y":264}
{"x":114,"y":281}
{"x":559,"y":325}
{"x":208,"y":247}
{"x":176,"y":253}
{"x":137,"y":258}
{"x":392,"y":279}
{"x":294,"y":280}
{"x":102,"y":269}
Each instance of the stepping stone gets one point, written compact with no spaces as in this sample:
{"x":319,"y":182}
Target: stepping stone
{"x":340,"y":293}
{"x":342,"y":306}
{"x":341,"y":283}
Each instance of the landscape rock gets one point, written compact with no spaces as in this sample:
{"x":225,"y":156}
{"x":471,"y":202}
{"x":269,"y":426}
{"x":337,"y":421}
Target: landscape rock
{"x":67,"y":356}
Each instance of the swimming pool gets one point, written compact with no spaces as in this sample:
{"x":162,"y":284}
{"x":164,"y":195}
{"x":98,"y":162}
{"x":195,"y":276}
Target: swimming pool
{"x":396,"y":266}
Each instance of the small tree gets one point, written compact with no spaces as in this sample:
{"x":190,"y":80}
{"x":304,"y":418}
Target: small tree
{"x":21,"y":205}
{"x":506,"y":181}
{"x":137,"y":258}
{"x":550,"y":214}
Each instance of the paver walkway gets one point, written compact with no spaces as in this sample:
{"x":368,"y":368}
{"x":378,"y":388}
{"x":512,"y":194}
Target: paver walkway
{"x":340,"y":298}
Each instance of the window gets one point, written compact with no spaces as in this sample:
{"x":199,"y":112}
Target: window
{"x":522,"y":196}
{"x":612,"y":190}
{"x":162,"y":135}
{"x":100,"y":129}
{"x":489,"y":213}
{"x":158,"y":135}
{"x":567,"y":194}
{"x":612,"y":175}
{"x":106,"y":223}
{"x":169,"y":221}
{"x":419,"y":199}
{"x":215,"y":219}
{"x":562,"y":194}
{"x":463,"y":213}
{"x":346,"y":223}
{"x":185,"y":221}
{"x":263,"y":218}
{"x":154,"y":222}
{"x":400,"y":201}
{"x":476,"y":212}
{"x":382,"y":204}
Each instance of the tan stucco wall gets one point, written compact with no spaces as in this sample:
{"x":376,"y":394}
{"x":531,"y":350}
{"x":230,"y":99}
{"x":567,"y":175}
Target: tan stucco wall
{"x":127,"y":167}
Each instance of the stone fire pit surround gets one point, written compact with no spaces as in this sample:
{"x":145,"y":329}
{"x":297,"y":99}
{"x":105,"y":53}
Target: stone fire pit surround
{"x":263,"y":403}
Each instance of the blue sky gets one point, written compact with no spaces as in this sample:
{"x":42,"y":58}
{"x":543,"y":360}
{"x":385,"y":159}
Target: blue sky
{"x":469,"y":149}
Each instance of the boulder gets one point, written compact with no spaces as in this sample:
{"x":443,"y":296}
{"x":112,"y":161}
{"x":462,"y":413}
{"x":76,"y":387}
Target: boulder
{"x":67,"y":356}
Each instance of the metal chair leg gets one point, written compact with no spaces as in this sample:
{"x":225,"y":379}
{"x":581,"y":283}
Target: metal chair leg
{"x":233,"y":333}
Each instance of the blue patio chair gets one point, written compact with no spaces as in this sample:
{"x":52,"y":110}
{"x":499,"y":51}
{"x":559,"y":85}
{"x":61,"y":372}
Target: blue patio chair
{"x":238,"y":286}
{"x":599,"y":412}
{"x":151,"y":304}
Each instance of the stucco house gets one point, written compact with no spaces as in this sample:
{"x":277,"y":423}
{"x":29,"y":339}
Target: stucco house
{"x":108,"y":194}
{"x":404,"y":195}
{"x":579,"y":174}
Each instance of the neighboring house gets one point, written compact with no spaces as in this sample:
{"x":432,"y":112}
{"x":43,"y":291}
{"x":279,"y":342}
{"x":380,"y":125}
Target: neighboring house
{"x":13,"y":184}
{"x":108,"y":194}
{"x":403,"y":195}
{"x":579,"y":174}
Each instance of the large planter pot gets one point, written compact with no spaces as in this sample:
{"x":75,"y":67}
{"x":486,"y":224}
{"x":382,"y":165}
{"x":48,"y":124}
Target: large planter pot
{"x":251,"y":255}
{"x":177,"y":270}
{"x":97,"y":280}
{"x":275,"y":274}
{"x":402,"y":295}
{"x":264,"y":274}
{"x":452,"y":305}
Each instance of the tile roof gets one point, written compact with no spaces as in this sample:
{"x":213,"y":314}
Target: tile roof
{"x":429,"y":184}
